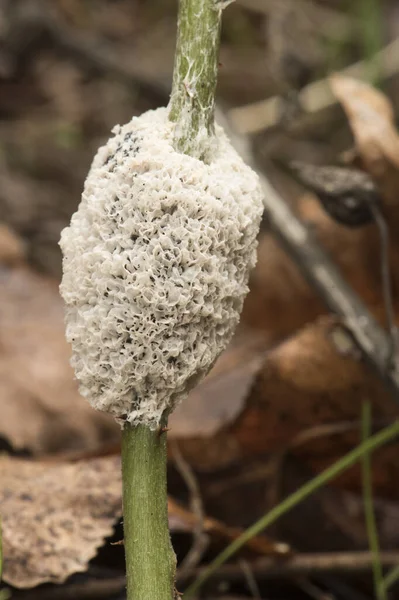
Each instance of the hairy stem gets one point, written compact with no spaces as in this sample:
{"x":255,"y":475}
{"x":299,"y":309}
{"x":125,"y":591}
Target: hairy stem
{"x":192,"y":102}
{"x":150,"y":560}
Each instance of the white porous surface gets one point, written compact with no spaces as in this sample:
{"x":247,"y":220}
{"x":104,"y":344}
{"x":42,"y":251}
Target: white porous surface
{"x":156,"y":265}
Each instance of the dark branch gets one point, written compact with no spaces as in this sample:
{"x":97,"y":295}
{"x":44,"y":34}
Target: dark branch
{"x":326,"y":279}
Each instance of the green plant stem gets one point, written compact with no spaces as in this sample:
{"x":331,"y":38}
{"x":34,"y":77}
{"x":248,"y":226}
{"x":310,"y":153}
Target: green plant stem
{"x":301,"y":494}
{"x":150,"y":560}
{"x":391,"y":578}
{"x":368,"y":504}
{"x":370,"y":17}
{"x":192,"y":102}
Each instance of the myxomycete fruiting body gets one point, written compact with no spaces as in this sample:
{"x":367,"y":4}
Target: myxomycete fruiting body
{"x":156,"y":266}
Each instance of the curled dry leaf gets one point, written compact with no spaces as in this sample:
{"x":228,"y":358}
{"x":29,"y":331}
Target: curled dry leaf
{"x":304,"y":384}
{"x":219,"y":399}
{"x":54,"y":517}
{"x":281,"y":301}
{"x":372,"y":120}
{"x":41,"y":410}
{"x":221,"y":396}
{"x":309,"y":382}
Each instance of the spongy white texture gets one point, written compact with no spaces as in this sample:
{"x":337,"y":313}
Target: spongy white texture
{"x":156,"y":265}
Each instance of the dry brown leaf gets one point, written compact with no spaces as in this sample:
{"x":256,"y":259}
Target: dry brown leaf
{"x":219,"y":399}
{"x":40,"y":407}
{"x":303,"y":384}
{"x":372,"y":120}
{"x":281,"y":301}
{"x":221,"y":396}
{"x":54,"y":517}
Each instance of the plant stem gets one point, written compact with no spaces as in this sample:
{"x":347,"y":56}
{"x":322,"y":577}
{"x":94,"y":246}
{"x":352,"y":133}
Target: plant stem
{"x":192,"y":102}
{"x":391,"y":578}
{"x":150,"y":560}
{"x":373,"y":442}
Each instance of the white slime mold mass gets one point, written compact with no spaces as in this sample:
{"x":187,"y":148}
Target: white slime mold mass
{"x":156,"y":265}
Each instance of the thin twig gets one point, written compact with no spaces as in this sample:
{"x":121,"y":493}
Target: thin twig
{"x":312,"y":589}
{"x":267,"y":469}
{"x":325,"y":278}
{"x":200,"y":539}
{"x":302,"y":564}
{"x":250,"y":579}
{"x":93,"y":589}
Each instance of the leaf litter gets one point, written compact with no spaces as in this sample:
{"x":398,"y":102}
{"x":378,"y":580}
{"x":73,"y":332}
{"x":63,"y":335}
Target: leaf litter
{"x":281,"y":395}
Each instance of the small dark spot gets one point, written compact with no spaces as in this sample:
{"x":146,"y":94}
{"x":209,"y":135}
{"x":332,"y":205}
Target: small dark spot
{"x":170,"y":209}
{"x":26,"y":497}
{"x":284,"y":416}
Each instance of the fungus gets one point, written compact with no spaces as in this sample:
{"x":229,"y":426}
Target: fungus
{"x":155,"y":271}
{"x":156,"y":266}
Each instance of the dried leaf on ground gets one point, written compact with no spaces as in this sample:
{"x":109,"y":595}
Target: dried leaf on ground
{"x":54,"y":517}
{"x":304,"y":383}
{"x":41,"y":410}
{"x":281,"y":301}
{"x":372,"y":120}
{"x":221,"y":396}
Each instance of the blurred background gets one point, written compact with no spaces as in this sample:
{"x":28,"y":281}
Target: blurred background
{"x":282,"y":403}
